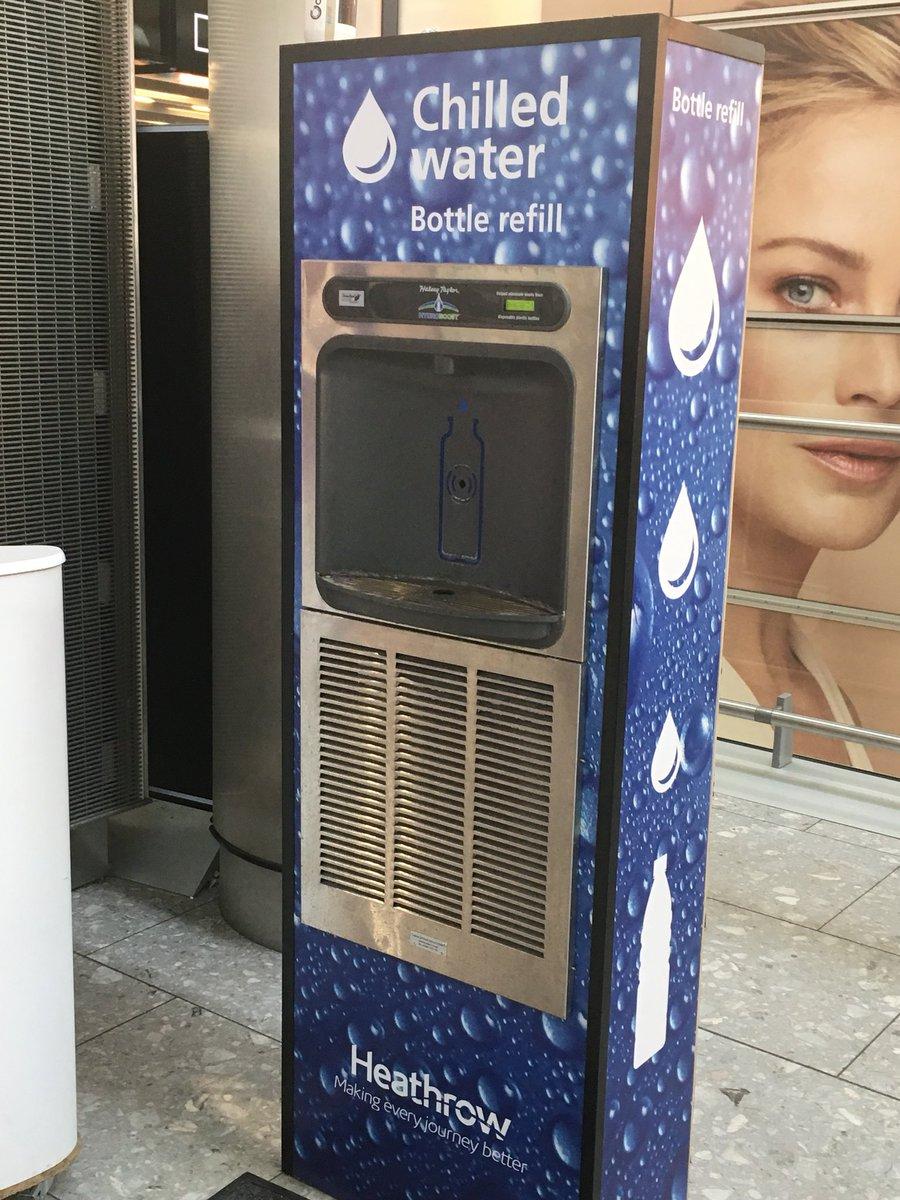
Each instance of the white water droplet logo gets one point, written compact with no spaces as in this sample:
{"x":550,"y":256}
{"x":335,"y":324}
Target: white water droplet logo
{"x":370,"y":146}
{"x":695,"y":311}
{"x":667,"y":757}
{"x":679,"y":552}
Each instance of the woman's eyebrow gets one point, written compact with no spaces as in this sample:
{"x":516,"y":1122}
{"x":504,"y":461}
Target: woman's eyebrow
{"x":846,"y":258}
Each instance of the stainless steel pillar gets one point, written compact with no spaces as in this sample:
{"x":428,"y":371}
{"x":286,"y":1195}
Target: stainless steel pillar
{"x":246,"y":453}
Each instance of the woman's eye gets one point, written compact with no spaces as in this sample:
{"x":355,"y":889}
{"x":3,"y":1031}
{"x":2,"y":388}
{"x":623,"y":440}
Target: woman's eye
{"x":804,"y":292}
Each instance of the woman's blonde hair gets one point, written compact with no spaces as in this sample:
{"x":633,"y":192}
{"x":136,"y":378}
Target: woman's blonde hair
{"x":845,"y":61}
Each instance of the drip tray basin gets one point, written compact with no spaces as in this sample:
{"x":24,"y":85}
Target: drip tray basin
{"x":463,"y":608}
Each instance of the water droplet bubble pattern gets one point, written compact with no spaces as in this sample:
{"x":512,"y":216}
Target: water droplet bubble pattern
{"x":690,"y":408}
{"x":353,"y":192}
{"x":512,"y":1060}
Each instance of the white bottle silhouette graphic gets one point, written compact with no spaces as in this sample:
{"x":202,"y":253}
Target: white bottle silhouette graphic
{"x":651,"y":1021}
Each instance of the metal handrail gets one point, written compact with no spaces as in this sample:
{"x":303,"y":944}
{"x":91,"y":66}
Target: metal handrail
{"x":880,"y":431}
{"x":789,"y":13}
{"x":783,"y":718}
{"x":818,"y":610}
{"x":823,"y":322}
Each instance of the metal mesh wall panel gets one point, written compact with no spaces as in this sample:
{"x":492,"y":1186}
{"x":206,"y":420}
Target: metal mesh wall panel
{"x":69,"y":448}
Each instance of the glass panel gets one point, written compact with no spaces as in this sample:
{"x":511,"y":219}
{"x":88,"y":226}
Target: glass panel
{"x":689,"y":8}
{"x":826,"y":226}
{"x":818,"y":516}
{"x":421,"y":16}
{"x":147,"y":32}
{"x":833,"y":671}
{"x":577,"y":10}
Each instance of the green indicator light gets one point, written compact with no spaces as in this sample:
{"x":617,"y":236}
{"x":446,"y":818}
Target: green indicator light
{"x":520,"y":306}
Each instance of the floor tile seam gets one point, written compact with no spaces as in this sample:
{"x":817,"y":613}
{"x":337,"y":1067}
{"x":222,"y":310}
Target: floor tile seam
{"x":165,"y":997}
{"x":122,"y":1024}
{"x":146,"y":928}
{"x":793,"y":1054}
{"x":863,"y":1087}
{"x":895,"y":854}
{"x":127,"y":975}
{"x":188,"y":1000}
{"x":895,"y":870}
{"x":761,"y":821}
{"x":871,"y":1043}
{"x":838,"y":937}
{"x":771,"y":820}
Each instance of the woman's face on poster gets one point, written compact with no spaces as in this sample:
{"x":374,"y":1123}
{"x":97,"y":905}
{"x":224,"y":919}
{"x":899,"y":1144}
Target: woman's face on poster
{"x":826,"y":239}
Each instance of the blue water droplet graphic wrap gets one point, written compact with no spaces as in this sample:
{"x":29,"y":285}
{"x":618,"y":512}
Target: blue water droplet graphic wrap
{"x":514,"y":1060}
{"x":706,"y":172}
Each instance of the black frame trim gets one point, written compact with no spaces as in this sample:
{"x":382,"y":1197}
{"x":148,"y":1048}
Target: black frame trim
{"x":390,"y":18}
{"x":654,"y":30}
{"x":544,"y":33}
{"x":288,"y":548}
{"x":624,"y":532}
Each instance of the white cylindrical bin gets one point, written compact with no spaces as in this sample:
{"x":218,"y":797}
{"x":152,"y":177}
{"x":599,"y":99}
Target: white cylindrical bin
{"x":38,"y":1129}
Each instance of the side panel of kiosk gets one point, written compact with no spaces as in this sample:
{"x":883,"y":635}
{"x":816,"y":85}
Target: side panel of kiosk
{"x":675,"y":522}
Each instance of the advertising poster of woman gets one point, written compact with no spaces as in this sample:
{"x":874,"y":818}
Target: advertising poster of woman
{"x":817,"y":517}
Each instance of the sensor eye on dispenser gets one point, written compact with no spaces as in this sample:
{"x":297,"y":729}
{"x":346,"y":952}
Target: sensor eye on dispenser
{"x":462,"y":483}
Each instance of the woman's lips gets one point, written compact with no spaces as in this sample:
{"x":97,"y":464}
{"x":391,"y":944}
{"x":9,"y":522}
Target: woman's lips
{"x":856,"y":460}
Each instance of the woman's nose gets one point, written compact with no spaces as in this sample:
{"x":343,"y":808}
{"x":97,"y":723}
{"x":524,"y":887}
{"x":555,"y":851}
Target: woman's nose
{"x":869,"y":372}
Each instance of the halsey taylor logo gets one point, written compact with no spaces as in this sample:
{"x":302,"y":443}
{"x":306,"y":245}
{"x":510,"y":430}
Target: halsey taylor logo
{"x":439,"y":307}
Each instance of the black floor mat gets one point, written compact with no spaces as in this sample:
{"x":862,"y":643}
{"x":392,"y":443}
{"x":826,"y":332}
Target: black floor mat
{"x":251,"y":1187}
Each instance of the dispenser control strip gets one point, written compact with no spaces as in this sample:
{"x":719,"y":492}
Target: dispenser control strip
{"x":479,"y":304}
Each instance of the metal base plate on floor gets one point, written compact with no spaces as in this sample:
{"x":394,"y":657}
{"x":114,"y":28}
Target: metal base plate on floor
{"x":251,"y":1187}
{"x":163,"y":845}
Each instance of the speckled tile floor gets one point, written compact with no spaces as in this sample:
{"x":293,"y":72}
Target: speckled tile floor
{"x":798,"y":1075}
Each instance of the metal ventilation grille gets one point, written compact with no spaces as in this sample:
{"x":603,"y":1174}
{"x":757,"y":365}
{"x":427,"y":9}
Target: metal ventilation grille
{"x":352,"y":767}
{"x":438,"y":802}
{"x":68,"y":400}
{"x":430,"y":788}
{"x":513,"y":766}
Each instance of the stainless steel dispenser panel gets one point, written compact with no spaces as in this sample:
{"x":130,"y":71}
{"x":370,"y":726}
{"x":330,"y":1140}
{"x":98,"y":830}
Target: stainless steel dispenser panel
{"x":438,"y":798}
{"x":338,"y":302}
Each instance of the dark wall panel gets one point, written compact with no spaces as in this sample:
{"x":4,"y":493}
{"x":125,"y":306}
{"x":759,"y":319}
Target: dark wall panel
{"x":173,"y":209}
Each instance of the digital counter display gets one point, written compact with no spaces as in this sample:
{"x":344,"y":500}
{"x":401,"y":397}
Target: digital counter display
{"x":523,"y":306}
